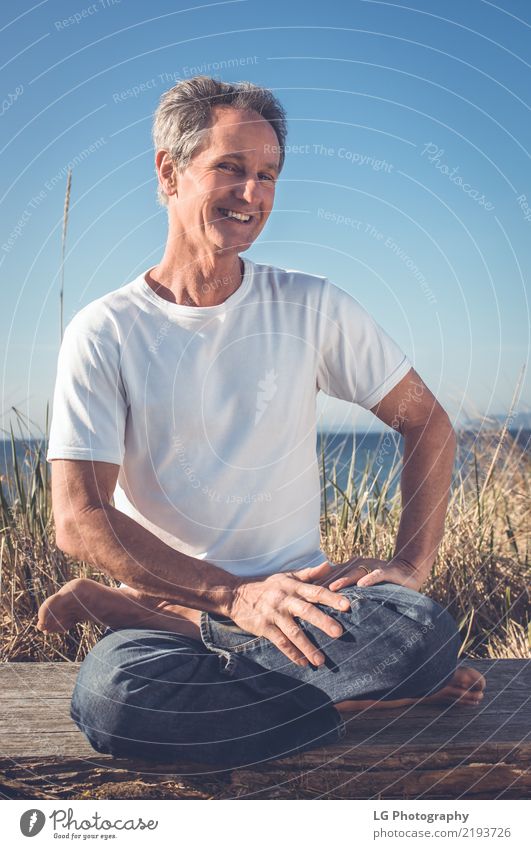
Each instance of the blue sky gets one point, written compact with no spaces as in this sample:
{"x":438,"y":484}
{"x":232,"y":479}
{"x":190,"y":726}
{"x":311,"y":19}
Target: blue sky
{"x":407,"y":180}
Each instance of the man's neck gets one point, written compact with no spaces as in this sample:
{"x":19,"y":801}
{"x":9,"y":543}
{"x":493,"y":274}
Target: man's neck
{"x":202,"y":283}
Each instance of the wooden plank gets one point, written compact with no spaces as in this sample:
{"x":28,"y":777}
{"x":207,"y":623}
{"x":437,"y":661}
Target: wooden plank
{"x":34,"y":679}
{"x":72,"y":744}
{"x":68,"y":742}
{"x":416,"y":752}
{"x":503,"y":715}
{"x":418,"y":724}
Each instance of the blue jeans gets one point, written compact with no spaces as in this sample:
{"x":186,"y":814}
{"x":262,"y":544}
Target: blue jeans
{"x":234,"y":699}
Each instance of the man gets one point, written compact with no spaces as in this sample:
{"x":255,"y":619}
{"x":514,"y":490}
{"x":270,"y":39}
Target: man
{"x":189,"y":395}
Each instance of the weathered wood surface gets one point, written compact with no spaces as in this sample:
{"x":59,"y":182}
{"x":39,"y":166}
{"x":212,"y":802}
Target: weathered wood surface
{"x":416,"y":752}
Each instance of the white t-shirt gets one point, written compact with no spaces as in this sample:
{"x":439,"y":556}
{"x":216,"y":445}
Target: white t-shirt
{"x":210,"y":412}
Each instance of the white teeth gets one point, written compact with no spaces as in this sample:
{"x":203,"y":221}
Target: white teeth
{"x":238,"y":215}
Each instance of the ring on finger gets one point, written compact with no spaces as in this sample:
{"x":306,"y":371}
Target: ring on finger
{"x":366,"y":569}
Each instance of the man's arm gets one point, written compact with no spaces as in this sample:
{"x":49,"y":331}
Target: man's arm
{"x":429,"y":453}
{"x":89,"y":528}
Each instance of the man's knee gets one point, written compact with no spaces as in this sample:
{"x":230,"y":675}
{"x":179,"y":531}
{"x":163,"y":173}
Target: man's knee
{"x":440,"y":623}
{"x":92,"y":707}
{"x":438,"y":643}
{"x":99,"y":702}
{"x":121,"y":682}
{"x":422,"y":636}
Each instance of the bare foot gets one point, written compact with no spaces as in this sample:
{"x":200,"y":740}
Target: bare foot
{"x":465,"y":688}
{"x":84,"y":600}
{"x":61,"y":611}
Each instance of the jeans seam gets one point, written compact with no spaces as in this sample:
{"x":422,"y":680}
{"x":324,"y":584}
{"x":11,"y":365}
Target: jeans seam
{"x":341,"y":728}
{"x":206,"y":636}
{"x":340,"y":724}
{"x":250,"y":644}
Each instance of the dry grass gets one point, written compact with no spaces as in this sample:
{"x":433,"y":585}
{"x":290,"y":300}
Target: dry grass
{"x":482,"y":571}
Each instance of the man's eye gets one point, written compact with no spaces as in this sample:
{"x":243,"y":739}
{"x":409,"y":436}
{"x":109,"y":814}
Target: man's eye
{"x":227,"y":166}
{"x":267,"y":177}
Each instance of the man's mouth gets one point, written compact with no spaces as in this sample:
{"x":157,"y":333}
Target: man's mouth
{"x":242,"y":217}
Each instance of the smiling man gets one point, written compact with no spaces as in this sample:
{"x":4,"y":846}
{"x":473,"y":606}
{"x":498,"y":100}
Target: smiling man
{"x":183,"y":443}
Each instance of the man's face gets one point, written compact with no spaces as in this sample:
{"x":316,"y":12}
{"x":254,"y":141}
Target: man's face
{"x":235,"y":171}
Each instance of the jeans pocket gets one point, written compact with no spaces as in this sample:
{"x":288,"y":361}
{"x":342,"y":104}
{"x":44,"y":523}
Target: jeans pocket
{"x":221,"y":634}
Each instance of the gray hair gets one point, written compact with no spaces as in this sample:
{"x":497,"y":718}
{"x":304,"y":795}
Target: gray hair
{"x":184,"y":115}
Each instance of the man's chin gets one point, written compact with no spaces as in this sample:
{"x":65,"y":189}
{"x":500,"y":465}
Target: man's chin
{"x":232,"y":244}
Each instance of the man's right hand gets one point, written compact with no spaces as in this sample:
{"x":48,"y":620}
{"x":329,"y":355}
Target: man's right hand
{"x":267,"y":608}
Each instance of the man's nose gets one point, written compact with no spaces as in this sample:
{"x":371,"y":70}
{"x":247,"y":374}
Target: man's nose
{"x":249,"y":190}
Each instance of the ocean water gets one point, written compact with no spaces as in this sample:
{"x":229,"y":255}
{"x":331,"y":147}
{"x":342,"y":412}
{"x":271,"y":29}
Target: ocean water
{"x":345,"y":455}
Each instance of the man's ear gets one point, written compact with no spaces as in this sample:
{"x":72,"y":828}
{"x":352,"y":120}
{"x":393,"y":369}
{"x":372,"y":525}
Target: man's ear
{"x":167,"y":171}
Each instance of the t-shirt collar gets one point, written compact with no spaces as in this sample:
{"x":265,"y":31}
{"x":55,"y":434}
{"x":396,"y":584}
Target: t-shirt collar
{"x":183,"y":310}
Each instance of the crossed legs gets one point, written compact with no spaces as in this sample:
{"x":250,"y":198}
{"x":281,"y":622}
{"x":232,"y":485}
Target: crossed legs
{"x":83,"y":600}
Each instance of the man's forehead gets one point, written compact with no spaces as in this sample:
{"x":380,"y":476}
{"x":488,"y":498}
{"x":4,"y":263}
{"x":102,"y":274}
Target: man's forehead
{"x":232,"y":122}
{"x":226,"y":136}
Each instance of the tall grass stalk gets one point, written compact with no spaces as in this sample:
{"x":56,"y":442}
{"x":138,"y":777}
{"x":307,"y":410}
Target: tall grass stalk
{"x":63,"y":244}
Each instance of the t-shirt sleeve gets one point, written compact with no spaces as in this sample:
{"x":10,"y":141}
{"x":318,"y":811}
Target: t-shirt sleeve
{"x":358,"y":361}
{"x":89,"y":404}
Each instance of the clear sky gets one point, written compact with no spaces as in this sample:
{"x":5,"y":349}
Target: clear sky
{"x":407,"y":179}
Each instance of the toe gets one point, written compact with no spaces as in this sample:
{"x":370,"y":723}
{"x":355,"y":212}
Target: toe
{"x":462,"y":692}
{"x":468,"y":678}
{"x":468,"y":698}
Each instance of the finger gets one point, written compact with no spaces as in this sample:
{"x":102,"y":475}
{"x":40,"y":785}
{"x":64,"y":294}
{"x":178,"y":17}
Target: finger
{"x":353,"y":577}
{"x":295,"y":635}
{"x":374,"y":577}
{"x":341,"y":583}
{"x":351,"y":572}
{"x":321,"y":595}
{"x":310,"y":613}
{"x":313,"y":573}
{"x":279,"y":639}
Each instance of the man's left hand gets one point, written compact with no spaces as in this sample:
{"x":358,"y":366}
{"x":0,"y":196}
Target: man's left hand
{"x":397,"y":571}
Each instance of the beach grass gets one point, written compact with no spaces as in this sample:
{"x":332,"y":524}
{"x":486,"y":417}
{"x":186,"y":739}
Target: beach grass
{"x":482,"y":572}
